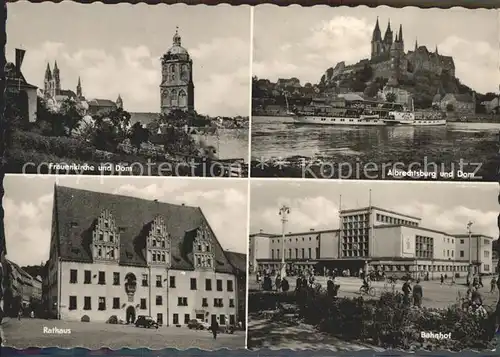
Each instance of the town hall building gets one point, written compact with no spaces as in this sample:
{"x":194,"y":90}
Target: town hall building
{"x":122,"y":256}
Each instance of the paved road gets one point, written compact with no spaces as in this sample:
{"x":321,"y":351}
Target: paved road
{"x":93,"y":335}
{"x":435,"y":294}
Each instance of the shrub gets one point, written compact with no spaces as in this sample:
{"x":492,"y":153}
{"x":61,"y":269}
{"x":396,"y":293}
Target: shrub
{"x":387,"y":322}
{"x":85,"y":318}
{"x":113,"y":319}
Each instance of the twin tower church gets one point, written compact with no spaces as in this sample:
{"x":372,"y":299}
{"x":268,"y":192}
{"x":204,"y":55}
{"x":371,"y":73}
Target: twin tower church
{"x":176,"y":87}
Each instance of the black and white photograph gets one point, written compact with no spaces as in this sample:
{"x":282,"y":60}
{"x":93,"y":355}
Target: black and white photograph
{"x":91,"y":90}
{"x":373,"y":265}
{"x":375,"y":93}
{"x":137,"y":262}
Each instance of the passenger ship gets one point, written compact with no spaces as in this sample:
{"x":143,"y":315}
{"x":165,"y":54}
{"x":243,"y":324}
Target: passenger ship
{"x":361,"y":114}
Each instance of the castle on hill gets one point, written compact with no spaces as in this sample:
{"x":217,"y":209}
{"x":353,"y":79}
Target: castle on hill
{"x":389,"y":60}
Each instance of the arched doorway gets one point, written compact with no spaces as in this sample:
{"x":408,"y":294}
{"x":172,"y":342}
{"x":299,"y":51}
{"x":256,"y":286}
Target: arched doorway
{"x":130,"y":315}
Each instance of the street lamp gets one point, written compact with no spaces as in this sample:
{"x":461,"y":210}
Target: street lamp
{"x":284,"y":211}
{"x":470,"y":247}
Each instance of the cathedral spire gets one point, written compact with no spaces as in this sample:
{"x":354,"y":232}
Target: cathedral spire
{"x":376,"y":32}
{"x":55,"y":66}
{"x":400,"y":33}
{"x":416,"y":44}
{"x":79,"y":88}
{"x":437,"y":52}
{"x":48,"y":73}
{"x":177,"y":37}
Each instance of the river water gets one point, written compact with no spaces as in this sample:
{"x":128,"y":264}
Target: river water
{"x":229,"y":143}
{"x":278,"y":137}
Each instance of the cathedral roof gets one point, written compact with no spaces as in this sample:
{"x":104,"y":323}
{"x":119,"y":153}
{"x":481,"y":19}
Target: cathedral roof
{"x":76,"y":211}
{"x":101,"y":103}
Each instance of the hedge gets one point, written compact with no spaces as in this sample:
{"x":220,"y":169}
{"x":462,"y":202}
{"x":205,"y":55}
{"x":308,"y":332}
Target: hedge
{"x":386,"y":322}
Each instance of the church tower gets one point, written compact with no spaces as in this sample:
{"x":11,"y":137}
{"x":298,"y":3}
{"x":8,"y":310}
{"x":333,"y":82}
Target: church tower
{"x":177,"y":87}
{"x":119,"y":102}
{"x":79,"y":93}
{"x":376,"y":40}
{"x":47,"y":82}
{"x":57,"y":79}
{"x":388,"y":37}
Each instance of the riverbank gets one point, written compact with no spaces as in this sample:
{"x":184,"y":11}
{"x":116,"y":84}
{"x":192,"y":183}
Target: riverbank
{"x":356,"y":168}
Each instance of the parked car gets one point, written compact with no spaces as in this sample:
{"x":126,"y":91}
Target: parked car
{"x":198,"y":325}
{"x":225,"y":329}
{"x":146,"y":321}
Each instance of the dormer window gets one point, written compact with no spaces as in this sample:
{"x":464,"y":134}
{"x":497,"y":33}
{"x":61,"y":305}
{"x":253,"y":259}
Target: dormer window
{"x":106,"y":223}
{"x":111,"y":238}
{"x":208,"y":248}
{"x":163,"y":243}
{"x":101,"y":236}
{"x":154,"y":242}
{"x":199,"y":247}
{"x":99,"y":252}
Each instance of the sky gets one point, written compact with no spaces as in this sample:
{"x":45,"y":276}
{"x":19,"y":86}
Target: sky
{"x":304,"y":42}
{"x":28,"y":207}
{"x":116,"y":49}
{"x":315,"y":204}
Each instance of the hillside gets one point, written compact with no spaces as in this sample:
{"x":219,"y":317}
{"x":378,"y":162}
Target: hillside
{"x":361,"y":78}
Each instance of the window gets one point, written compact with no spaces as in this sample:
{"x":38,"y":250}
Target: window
{"x":272,"y":253}
{"x":486,"y":242}
{"x":102,"y":278}
{"x":486,"y":267}
{"x":486,"y":254}
{"x":176,"y":319}
{"x":159,"y":300}
{"x":277,"y":253}
{"x":229,"y":285}
{"x":116,"y":278}
{"x":186,"y":319}
{"x":102,"y":303}
{"x":219,"y":285}
{"x":296,"y":253}
{"x":231,"y":302}
{"x":310,"y":255}
{"x":204,"y":302}
{"x":222,"y":319}
{"x":172,"y":281}
{"x":143,"y":304}
{"x":303,"y":252}
{"x":193,"y":283}
{"x":72,"y":302}
{"x":158,"y":281}
{"x":218,"y":302}
{"x":462,"y":241}
{"x":116,"y":303}
{"x":208,"y":284}
{"x":87,"y":277}
{"x":73,"y":274}
{"x":144,"y":279}
{"x":87,"y":303}
{"x":182,"y":301}
{"x":461,"y":254}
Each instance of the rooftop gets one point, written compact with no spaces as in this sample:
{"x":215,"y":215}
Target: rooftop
{"x":77,"y":211}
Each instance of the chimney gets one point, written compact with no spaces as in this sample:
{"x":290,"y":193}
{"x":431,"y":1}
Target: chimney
{"x":261,"y":230}
{"x":183,"y":204}
{"x":19,"y":59}
{"x":312,"y":229}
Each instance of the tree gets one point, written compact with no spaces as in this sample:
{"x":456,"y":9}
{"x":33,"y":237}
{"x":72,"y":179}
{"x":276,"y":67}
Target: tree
{"x":71,"y":115}
{"x":391,"y":97}
{"x":138,"y":135}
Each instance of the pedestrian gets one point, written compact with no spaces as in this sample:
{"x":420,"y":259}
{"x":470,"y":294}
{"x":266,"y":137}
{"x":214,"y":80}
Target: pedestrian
{"x":481,"y":281}
{"x":406,"y":292}
{"x":278,"y":282}
{"x":284,"y":285}
{"x":442,"y":279}
{"x":215,"y":328}
{"x":493,"y":284}
{"x":417,"y":294}
{"x":20,"y":313}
